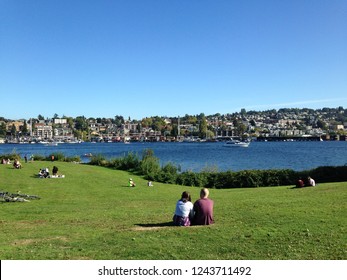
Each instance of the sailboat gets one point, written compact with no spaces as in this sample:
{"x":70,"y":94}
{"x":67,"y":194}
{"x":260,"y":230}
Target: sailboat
{"x":237,"y":143}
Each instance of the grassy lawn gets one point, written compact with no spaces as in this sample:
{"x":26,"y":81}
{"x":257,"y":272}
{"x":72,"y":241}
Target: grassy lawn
{"x":93,"y":214}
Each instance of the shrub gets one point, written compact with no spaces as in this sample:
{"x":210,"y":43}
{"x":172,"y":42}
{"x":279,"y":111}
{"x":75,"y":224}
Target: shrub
{"x":11,"y":156}
{"x":247,"y":179}
{"x":224,"y":180}
{"x":253,"y":178}
{"x":149,"y":167}
{"x":326,"y":174}
{"x":147,"y":153}
{"x":39,"y":157}
{"x":129,"y":162}
{"x":98,"y":160}
{"x":57,"y":157}
{"x":189,"y":178}
{"x":73,"y":159}
{"x":278,"y":177}
{"x":167,"y":174}
{"x":116,"y":163}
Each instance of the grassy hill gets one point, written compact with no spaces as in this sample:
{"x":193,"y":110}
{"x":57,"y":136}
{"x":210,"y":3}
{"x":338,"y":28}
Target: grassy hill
{"x":93,"y":214}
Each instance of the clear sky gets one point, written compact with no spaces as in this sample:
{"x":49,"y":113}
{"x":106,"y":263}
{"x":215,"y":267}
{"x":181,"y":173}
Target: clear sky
{"x":142,"y":58}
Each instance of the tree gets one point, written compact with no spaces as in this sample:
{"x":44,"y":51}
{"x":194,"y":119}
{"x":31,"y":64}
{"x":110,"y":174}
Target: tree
{"x":70,"y":122}
{"x":240,"y":128}
{"x":3,"y":129}
{"x":203,"y":127}
{"x":321,"y":125}
{"x":147,"y":122}
{"x":40,"y":117}
{"x":209,"y":134}
{"x":24,"y":128}
{"x":192,"y":120}
{"x":81,"y":123}
{"x":13,"y":130}
{"x":187,"y":119}
{"x":119,"y":120}
{"x":174,"y":130}
{"x":158,"y":124}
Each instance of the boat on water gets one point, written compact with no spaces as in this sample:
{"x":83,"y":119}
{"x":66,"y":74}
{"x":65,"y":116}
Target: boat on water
{"x":88,"y":155}
{"x":126,"y":140}
{"x":51,"y":144}
{"x":237,"y":143}
{"x":47,"y":143}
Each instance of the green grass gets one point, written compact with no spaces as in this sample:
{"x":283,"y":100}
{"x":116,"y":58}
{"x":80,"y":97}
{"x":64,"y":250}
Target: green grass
{"x":93,"y":214}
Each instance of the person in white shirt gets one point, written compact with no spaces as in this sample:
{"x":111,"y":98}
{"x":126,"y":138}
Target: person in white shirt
{"x":311,"y":182}
{"x":184,"y":211}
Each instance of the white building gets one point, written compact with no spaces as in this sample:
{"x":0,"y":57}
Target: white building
{"x":43,"y":131}
{"x":60,"y":121}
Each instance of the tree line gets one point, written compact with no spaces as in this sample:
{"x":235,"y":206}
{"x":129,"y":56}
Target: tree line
{"x":193,"y":125}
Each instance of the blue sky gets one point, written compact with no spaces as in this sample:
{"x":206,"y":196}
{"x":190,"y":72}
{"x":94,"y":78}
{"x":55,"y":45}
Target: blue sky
{"x":141,"y":58}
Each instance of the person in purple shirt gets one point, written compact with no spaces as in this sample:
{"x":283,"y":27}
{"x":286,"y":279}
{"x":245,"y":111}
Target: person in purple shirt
{"x":203,"y":209}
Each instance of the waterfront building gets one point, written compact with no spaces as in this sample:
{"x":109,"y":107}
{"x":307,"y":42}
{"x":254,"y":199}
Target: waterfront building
{"x":43,"y":131}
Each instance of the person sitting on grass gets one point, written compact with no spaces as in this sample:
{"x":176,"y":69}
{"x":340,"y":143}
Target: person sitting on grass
{"x":47,"y":172}
{"x":16,"y":164}
{"x":300,"y":183}
{"x":203,"y":209}
{"x":310,"y":182}
{"x":55,"y":171}
{"x":131,"y":183}
{"x":184,"y":211}
{"x":44,"y":173}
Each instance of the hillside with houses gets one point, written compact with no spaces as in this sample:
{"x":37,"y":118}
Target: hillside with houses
{"x":283,"y":124}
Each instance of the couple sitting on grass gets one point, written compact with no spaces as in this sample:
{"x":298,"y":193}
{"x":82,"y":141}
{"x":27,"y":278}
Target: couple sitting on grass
{"x":199,"y":213}
{"x":308,"y":183}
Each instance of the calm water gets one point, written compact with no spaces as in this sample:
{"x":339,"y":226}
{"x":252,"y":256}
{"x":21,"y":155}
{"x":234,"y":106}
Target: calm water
{"x":197,"y":156}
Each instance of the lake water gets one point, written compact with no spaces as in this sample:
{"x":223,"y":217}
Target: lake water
{"x":198,"y":156}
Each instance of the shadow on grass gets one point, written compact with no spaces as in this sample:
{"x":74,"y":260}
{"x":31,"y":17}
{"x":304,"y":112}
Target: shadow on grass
{"x":153,"y":226}
{"x":295,"y":187}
